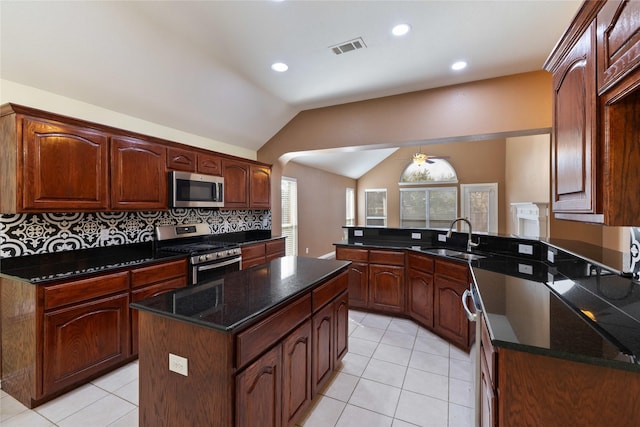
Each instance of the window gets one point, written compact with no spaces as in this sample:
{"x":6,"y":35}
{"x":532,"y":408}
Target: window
{"x":434,"y":171}
{"x":432,"y":207}
{"x":480,"y":204}
{"x":376,"y":207}
{"x":350,"y":207}
{"x":289,"y":188}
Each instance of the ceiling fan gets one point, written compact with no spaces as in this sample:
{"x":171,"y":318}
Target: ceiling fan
{"x":421,"y":158}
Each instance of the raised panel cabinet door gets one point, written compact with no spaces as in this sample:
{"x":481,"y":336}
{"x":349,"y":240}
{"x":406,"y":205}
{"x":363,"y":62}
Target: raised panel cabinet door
{"x":341,"y":331}
{"x":259,"y":392}
{"x":296,"y":374}
{"x":138,"y":177}
{"x":488,"y":403}
{"x":618,"y":41}
{"x":323,"y":343}
{"x":574,"y":152}
{"x":84,"y":339}
{"x":236,"y":183}
{"x":386,"y":287}
{"x":420,"y":300}
{"x":450,"y":319}
{"x":209,"y":164}
{"x":260,"y":187}
{"x":181,"y":160}
{"x":65,"y":167}
{"x":358,"y":284}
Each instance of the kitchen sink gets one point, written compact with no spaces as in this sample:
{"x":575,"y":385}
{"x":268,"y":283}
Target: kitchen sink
{"x":454,"y":254}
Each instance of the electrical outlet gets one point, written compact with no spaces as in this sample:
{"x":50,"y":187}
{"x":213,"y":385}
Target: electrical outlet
{"x":416,"y":236}
{"x":179,"y":365}
{"x":550,"y":256}
{"x":442,"y":237}
{"x":357,"y":233}
{"x":525,"y":268}
{"x":306,"y":250}
{"x":525,"y":249}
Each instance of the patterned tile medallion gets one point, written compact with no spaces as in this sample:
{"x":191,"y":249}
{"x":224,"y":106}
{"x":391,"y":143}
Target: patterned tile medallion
{"x":30,"y":234}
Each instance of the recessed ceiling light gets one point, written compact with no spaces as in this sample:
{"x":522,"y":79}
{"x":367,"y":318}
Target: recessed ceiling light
{"x":280,"y":67}
{"x":401,"y":29}
{"x":457,"y":66}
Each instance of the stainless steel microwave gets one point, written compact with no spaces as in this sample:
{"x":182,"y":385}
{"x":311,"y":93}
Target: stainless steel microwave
{"x":194,"y":190}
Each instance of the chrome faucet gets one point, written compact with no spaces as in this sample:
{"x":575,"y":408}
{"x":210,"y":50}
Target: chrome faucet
{"x":470,"y":243}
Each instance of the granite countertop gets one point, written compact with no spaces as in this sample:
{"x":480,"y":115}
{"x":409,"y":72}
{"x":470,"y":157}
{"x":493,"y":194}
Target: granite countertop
{"x":232,"y":302}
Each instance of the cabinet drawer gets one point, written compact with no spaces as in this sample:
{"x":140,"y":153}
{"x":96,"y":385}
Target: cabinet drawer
{"x":181,"y":160}
{"x":261,"y":336}
{"x":351,"y":254}
{"x":386,"y":257}
{"x":158,"y":272}
{"x":84,"y":290}
{"x":421,"y":262}
{"x":275,"y":247}
{"x":253,"y":251}
{"x":330,"y":290}
{"x":453,"y":270}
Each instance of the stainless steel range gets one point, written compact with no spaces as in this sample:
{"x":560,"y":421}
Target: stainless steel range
{"x":208,"y":259}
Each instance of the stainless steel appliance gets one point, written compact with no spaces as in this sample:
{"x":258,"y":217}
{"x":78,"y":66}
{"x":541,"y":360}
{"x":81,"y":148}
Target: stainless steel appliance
{"x":194,"y":190}
{"x":475,"y":316}
{"x":208,"y":259}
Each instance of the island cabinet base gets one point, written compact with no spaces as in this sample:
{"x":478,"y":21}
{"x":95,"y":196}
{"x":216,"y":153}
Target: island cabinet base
{"x":262,"y":374}
{"x":536,"y":390}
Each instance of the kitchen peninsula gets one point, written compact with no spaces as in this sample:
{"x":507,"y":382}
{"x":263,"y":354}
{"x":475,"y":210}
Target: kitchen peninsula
{"x":255,"y":345}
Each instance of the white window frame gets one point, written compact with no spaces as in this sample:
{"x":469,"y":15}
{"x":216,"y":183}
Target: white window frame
{"x":366,"y":204}
{"x":427,"y":190}
{"x":492,"y":189}
{"x":290,"y":230}
{"x":350,"y":206}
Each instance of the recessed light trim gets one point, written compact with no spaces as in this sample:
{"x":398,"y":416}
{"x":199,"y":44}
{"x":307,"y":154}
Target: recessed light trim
{"x":459,"y":65}
{"x":401,"y":30}
{"x":280,"y":67}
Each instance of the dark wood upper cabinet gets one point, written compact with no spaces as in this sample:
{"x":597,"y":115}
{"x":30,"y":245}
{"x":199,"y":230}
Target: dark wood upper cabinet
{"x":596,"y":121}
{"x":574,"y":130}
{"x":181,"y":160}
{"x":260,"y":187}
{"x":65,"y":167}
{"x":618,"y":36}
{"x":138,"y":177}
{"x":236,"y":183}
{"x":209,"y":164}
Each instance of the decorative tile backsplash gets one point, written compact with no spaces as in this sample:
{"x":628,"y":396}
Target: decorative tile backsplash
{"x":635,"y":252}
{"x":30,"y":234}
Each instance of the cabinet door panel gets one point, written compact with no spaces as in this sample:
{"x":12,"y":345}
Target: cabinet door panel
{"x":56,"y":173}
{"x":210,"y":165}
{"x":386,"y":287}
{"x":574,"y":131}
{"x":323,"y":347}
{"x":236,"y":184}
{"x":259,"y":392}
{"x":358,"y":284}
{"x":450,"y":319}
{"x":420,"y":300}
{"x":296,"y":371}
{"x":181,"y":160}
{"x":138,"y":178}
{"x":260,"y":187}
{"x":84,"y":339}
{"x":341,"y":313}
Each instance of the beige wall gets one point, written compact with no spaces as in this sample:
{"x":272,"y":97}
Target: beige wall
{"x":475,"y":162}
{"x":527,"y":170}
{"x":486,"y":109}
{"x":321,"y":208}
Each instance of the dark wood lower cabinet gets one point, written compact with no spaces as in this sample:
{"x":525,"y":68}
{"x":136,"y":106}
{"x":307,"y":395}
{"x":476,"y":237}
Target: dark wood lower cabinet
{"x":420,"y":299}
{"x":84,"y":339}
{"x":259,"y":392}
{"x":296,"y":371}
{"x":341,"y":313}
{"x":323,"y":347}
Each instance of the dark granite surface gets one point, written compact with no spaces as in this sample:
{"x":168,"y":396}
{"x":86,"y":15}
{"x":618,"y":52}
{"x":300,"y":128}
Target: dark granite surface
{"x":572,"y":308}
{"x":229,"y":303}
{"x":47,"y":268}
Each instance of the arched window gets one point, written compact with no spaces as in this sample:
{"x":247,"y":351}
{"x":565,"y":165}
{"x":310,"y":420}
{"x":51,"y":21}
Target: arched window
{"x":423,"y":201}
{"x":433,"y":171}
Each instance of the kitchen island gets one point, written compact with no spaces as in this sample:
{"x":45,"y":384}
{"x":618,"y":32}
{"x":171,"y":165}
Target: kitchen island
{"x":252,"y":348}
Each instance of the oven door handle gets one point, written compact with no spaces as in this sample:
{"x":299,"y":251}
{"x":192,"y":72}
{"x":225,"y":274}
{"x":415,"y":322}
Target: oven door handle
{"x":465,"y":297}
{"x":219,"y":264}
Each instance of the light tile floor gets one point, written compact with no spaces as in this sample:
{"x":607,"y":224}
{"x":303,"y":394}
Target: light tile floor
{"x":396,"y":374}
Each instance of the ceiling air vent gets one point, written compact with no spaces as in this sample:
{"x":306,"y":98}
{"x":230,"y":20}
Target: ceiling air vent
{"x":345,"y":47}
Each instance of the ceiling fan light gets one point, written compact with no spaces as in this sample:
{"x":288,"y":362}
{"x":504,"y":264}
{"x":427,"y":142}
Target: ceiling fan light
{"x":419,"y":158}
